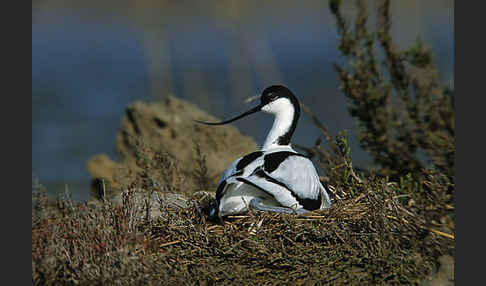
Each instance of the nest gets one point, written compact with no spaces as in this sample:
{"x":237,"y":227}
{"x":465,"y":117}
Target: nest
{"x":373,"y":237}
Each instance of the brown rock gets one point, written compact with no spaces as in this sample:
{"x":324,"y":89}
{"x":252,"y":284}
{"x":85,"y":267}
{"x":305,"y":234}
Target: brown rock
{"x":169,"y":126}
{"x":104,"y":172}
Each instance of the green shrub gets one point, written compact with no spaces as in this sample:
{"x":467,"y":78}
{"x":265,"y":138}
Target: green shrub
{"x":405,"y":116}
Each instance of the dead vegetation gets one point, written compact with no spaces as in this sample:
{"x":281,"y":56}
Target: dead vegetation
{"x":385,"y":233}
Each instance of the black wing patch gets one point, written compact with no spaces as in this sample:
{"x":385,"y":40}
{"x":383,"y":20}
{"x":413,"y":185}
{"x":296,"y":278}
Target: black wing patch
{"x":247,"y":159}
{"x":219,"y":191}
{"x":273,"y":160}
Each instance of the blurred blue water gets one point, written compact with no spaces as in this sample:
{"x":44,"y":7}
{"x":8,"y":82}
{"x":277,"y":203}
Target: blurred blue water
{"x":86,"y":71}
{"x":83,"y":75}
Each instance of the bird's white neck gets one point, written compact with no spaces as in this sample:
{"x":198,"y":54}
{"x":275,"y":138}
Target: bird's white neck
{"x":281,"y":127}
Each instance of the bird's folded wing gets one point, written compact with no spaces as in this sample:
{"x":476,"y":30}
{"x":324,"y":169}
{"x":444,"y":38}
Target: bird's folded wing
{"x":299,"y":175}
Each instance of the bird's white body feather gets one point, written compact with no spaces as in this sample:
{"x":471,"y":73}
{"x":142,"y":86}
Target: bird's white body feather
{"x":296,"y":172}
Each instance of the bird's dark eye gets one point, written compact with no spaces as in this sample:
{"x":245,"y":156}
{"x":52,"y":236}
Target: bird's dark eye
{"x":272,"y":96}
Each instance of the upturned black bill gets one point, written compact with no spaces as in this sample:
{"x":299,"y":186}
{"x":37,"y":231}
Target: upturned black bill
{"x":253,"y":110}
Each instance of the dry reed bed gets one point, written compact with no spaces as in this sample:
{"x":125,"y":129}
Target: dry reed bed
{"x":367,"y":239}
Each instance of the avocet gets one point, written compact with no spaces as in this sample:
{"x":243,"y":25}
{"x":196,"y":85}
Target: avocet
{"x":275,"y":178}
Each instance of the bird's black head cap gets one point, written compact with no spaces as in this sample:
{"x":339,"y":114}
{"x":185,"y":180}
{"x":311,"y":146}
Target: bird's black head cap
{"x":275,"y":92}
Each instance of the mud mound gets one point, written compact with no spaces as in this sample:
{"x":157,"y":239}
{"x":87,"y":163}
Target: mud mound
{"x":169,"y":126}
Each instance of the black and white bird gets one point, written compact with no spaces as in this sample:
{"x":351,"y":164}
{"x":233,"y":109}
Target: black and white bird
{"x":276,"y":178}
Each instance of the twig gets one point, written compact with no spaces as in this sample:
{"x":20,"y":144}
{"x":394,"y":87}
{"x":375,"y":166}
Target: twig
{"x":104,"y":190}
{"x":170,"y":243}
{"x":437,"y":232}
{"x":238,"y":216}
{"x":236,"y":244}
{"x":213,"y":227}
{"x":451,"y":236}
{"x":359,"y":198}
